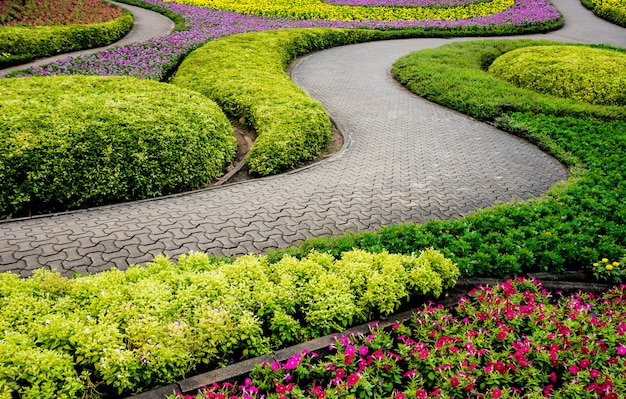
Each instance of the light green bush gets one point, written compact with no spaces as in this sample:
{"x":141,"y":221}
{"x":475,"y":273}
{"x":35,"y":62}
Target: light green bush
{"x":245,"y":75}
{"x":122,"y":332}
{"x":592,"y":75}
{"x":67,"y":142}
{"x":44,"y":41}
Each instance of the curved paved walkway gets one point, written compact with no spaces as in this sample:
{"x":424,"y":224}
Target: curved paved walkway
{"x":148,"y":25}
{"x":405,"y":160}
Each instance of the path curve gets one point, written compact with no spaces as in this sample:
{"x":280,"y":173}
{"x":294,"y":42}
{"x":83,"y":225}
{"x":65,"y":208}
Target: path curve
{"x":406,"y":160}
{"x":148,"y":25}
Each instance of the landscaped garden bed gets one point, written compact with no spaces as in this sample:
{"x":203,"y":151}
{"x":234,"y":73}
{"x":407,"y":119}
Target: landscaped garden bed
{"x":32,"y":29}
{"x":509,"y":340}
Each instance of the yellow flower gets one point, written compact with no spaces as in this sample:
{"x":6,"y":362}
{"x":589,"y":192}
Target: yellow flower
{"x":605,"y":260}
{"x":595,"y":264}
{"x":615,"y":264}
{"x":548,"y":233}
{"x":609,"y":267}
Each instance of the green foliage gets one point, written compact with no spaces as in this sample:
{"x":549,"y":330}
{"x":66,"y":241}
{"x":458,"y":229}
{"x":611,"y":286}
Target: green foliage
{"x":455,"y":75}
{"x":572,"y":226}
{"x":592,"y":75}
{"x":44,"y":41}
{"x":245,"y":75}
{"x":612,"y":13}
{"x":121,"y":332}
{"x":68,"y":142}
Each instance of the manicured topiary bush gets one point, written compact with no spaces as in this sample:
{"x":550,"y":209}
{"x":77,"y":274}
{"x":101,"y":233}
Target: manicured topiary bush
{"x":592,"y":75}
{"x":245,"y":75}
{"x":121,"y":332}
{"x":68,"y":142}
{"x":44,"y":41}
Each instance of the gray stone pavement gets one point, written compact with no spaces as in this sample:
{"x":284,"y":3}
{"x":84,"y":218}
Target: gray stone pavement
{"x":148,"y":25}
{"x":405,"y":159}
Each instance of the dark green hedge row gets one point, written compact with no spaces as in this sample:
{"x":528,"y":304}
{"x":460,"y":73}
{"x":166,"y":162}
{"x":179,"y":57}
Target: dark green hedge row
{"x":69,"y":142}
{"x":245,"y":75}
{"x":45,"y":41}
{"x":574,"y":225}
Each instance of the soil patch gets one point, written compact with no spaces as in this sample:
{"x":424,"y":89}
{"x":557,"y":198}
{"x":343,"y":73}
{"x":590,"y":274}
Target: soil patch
{"x":245,"y":138}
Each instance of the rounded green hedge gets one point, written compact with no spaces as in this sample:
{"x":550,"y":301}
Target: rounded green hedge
{"x":45,"y":41}
{"x":592,"y":75}
{"x":68,"y":142}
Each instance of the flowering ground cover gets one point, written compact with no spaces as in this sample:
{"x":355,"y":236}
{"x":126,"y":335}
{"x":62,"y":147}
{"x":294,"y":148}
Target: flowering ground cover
{"x":402,"y":3}
{"x":514,"y":340}
{"x":315,"y":9}
{"x":56,"y":12}
{"x":154,"y":59}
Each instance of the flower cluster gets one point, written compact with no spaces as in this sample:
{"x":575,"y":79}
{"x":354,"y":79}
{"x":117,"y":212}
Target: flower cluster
{"x":155,"y":58}
{"x":511,"y":341}
{"x":611,"y":272}
{"x":57,"y":12}
{"x":314,"y":9}
{"x":402,"y":3}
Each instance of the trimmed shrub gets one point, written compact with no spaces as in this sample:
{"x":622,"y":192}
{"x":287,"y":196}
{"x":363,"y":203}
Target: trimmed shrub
{"x":45,"y":41}
{"x":245,"y":75}
{"x":121,"y":332}
{"x":611,"y":10}
{"x":592,"y":75}
{"x":69,"y":142}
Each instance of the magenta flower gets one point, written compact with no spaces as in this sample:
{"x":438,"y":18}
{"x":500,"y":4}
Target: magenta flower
{"x":353,"y":379}
{"x":454,"y":382}
{"x":363,"y":350}
{"x":496,"y":393}
{"x":621,"y":350}
{"x":573,"y":369}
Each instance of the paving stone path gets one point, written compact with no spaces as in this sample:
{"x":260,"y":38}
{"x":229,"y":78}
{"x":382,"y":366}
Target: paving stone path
{"x":405,"y":159}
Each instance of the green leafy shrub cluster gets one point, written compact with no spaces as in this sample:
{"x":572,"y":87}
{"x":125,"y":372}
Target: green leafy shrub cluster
{"x":120,"y":332}
{"x":245,"y":75}
{"x":576,"y":223}
{"x":611,"y":10}
{"x":68,"y":142}
{"x":45,"y":41}
{"x":592,"y":75}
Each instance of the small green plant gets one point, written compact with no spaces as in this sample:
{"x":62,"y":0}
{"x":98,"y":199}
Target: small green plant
{"x":611,"y":272}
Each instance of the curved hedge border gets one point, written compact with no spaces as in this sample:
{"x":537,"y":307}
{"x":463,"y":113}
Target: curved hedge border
{"x":121,"y":332}
{"x":68,"y":142}
{"x":45,"y":41}
{"x":245,"y":75}
{"x":575,"y":224}
{"x":612,"y":11}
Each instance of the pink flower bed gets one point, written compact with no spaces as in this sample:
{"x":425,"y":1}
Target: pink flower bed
{"x":512,"y":341}
{"x":56,"y":12}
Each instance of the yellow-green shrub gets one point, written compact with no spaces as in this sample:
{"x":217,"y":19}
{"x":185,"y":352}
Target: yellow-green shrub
{"x":592,"y":75}
{"x":147,"y":326}
{"x":68,"y":142}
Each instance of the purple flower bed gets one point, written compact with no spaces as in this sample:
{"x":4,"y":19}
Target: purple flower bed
{"x":155,"y":58}
{"x":402,"y":3}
